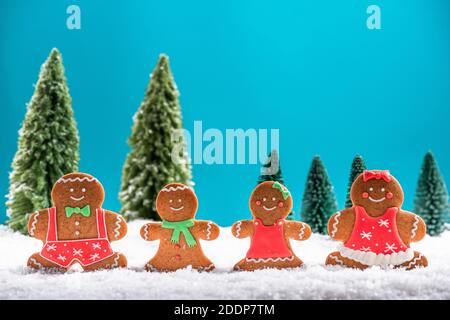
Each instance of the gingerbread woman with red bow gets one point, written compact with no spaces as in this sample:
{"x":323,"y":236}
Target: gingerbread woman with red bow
{"x":376,"y":231}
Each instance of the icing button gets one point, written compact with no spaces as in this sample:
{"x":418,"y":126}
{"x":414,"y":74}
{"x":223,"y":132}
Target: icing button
{"x":177,"y":246}
{"x":178,"y":257}
{"x":77,"y":223}
{"x":77,"y":233}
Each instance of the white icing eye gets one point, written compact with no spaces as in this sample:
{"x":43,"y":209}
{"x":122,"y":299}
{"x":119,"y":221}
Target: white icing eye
{"x":170,"y":200}
{"x":273,"y":198}
{"x":83,"y":190}
{"x":383,"y":189}
{"x":370,"y":189}
{"x":264,"y":199}
{"x":179,"y":200}
{"x":71,"y":189}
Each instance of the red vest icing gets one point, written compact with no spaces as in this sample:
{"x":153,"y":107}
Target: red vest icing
{"x":376,"y":234}
{"x":85,"y":251}
{"x":268,"y":241}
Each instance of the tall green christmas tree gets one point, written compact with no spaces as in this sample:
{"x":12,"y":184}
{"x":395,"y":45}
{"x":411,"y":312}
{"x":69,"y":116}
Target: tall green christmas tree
{"x":358,"y":167}
{"x":48,"y":145}
{"x":149,"y":165}
{"x":431,"y":201}
{"x":319,"y":200}
{"x":271,"y":171}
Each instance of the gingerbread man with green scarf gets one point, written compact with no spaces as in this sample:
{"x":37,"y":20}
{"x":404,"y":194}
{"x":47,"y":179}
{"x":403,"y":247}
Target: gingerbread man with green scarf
{"x":179,"y":233}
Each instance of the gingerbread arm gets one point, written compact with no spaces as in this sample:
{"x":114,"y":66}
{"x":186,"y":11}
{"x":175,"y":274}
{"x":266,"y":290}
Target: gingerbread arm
{"x":410,"y":226}
{"x":116,"y":226}
{"x":340,"y":225}
{"x":206,"y":230}
{"x":38,"y":224}
{"x":242,"y":229}
{"x":151,"y":231}
{"x":297,"y":230}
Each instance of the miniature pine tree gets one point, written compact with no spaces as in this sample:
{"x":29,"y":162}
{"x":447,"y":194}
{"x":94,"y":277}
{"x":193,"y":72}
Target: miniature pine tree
{"x":319,"y":200}
{"x":358,"y":167}
{"x":271,"y":171}
{"x":431,"y":200}
{"x":48,"y":145}
{"x":149,"y":166}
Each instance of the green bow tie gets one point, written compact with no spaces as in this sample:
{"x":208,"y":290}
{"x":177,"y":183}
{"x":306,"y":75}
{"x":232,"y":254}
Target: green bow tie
{"x":85,"y":211}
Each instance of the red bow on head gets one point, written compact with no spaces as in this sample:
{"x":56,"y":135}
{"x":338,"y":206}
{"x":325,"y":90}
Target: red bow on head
{"x":376,"y":174}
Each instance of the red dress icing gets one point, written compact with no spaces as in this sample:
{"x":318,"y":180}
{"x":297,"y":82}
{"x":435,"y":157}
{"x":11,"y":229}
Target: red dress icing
{"x":376,"y":234}
{"x":268,"y":241}
{"x":85,"y":251}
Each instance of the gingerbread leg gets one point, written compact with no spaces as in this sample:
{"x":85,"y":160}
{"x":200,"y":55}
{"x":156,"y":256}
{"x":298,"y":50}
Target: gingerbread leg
{"x":117,"y":260}
{"x":204,"y":265}
{"x":335,"y":259}
{"x":245,"y":265}
{"x":418,"y":261}
{"x":36,"y":261}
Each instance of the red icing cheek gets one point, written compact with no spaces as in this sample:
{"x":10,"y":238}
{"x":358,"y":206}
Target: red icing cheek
{"x":280,"y":204}
{"x":258,"y":202}
{"x":365,"y":195}
{"x":389,"y":195}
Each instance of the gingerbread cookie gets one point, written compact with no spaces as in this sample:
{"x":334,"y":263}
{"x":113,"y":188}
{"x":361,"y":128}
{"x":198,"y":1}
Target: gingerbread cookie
{"x":179,"y":233}
{"x":376,"y":231}
{"x":270,"y":203}
{"x":76,"y":228}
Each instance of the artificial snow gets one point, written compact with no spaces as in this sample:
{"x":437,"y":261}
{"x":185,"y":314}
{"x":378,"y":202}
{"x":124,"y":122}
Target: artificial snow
{"x":314,"y":281}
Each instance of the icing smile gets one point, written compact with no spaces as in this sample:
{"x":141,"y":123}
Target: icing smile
{"x":377,"y":200}
{"x":77,"y":199}
{"x":269,"y":209}
{"x":177,"y":209}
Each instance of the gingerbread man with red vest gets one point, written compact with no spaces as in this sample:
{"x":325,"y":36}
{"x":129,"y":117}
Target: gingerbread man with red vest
{"x":77,"y":229}
{"x":376,"y":231}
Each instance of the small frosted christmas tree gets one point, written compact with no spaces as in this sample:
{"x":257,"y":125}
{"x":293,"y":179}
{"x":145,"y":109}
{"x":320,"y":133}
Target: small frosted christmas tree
{"x":319,"y":200}
{"x":149,"y":165}
{"x":271,"y":171}
{"x":48,"y":145}
{"x":431,"y":200}
{"x":358,"y":167}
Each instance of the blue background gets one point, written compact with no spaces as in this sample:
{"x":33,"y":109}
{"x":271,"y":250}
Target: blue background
{"x":310,"y":68}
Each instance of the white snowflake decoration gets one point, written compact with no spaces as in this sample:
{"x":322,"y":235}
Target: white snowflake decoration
{"x":383,"y":223}
{"x":366,"y":235}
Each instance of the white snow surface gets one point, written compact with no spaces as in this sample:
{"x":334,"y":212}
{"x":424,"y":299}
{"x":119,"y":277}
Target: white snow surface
{"x":314,"y":281}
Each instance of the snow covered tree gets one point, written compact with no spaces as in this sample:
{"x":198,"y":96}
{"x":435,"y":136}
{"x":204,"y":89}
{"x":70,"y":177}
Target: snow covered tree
{"x":48,"y":145}
{"x":319,"y":200}
{"x":149,"y":165}
{"x":358,"y":166}
{"x":431,"y":200}
{"x":271,"y":171}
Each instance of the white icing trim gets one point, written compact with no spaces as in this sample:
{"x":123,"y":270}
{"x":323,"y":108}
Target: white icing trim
{"x":118,"y":226}
{"x":66,"y":180}
{"x":258,"y":260}
{"x":335,"y":224}
{"x":377,"y":200}
{"x":238,"y":229}
{"x":151,"y":267}
{"x":146,"y":232}
{"x":339,"y":261}
{"x":208,"y":230}
{"x":413,"y":262}
{"x":116,"y":261}
{"x":269,"y":209}
{"x":208,"y":268}
{"x":175,"y":188}
{"x":415,"y":227}
{"x":76,"y":199}
{"x":39,"y":265}
{"x":177,"y":209}
{"x":373,"y":259}
{"x":302,"y":231}
{"x":33,"y":224}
